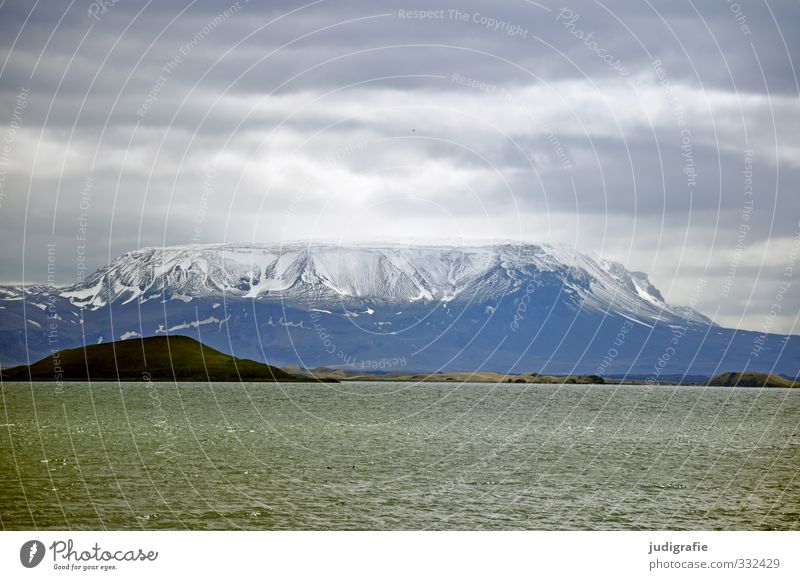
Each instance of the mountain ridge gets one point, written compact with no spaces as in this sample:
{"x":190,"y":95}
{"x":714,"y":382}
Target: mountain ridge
{"x":384,"y":273}
{"x":499,"y":308}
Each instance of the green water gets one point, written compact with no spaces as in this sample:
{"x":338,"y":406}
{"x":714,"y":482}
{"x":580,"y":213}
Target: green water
{"x":397,"y":456}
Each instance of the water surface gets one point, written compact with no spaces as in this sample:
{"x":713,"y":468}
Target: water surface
{"x":397,"y":456}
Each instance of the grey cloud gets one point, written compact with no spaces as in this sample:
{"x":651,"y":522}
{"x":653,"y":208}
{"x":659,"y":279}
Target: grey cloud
{"x":226,"y":108}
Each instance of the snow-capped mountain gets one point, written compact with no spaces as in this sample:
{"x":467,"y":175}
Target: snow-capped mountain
{"x":505,"y":307}
{"x":371,"y":274}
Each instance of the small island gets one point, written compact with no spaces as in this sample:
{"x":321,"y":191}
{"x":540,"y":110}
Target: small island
{"x":181,"y":358}
{"x":754,"y":380}
{"x":157,"y":358}
{"x":323,"y":373}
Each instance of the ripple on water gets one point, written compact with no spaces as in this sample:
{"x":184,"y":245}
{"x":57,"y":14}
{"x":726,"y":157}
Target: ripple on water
{"x":404,"y":457}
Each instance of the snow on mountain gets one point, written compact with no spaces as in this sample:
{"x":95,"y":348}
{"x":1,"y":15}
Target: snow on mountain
{"x":19,"y":292}
{"x":319,"y":274}
{"x":495,"y":307}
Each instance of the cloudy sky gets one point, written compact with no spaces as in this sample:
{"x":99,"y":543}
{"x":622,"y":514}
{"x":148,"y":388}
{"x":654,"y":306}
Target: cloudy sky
{"x":663,"y":134}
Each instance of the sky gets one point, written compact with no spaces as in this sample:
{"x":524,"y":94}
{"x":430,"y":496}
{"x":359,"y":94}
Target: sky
{"x":662,"y":134}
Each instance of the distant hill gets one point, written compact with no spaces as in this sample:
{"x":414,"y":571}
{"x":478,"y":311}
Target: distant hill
{"x":757,"y":380}
{"x":159,"y":358}
{"x":323,"y":373}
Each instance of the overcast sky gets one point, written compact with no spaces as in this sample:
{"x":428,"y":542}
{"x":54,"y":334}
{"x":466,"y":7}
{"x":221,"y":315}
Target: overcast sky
{"x":665,"y":135}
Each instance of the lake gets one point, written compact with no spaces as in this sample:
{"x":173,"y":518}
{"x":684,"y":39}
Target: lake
{"x":397,"y":456}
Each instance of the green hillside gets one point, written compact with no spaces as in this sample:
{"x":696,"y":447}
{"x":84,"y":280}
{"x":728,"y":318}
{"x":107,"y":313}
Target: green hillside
{"x":159,"y":358}
{"x":757,"y":380}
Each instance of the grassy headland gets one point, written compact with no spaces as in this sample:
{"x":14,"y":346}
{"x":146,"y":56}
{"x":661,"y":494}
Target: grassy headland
{"x":158,"y":358}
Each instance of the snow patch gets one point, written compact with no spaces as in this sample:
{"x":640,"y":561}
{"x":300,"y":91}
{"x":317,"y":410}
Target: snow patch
{"x":193,"y":324}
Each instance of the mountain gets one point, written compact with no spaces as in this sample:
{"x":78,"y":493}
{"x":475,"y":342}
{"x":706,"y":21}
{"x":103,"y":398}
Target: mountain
{"x":368,"y":275}
{"x":509,"y":308}
{"x":156,"y":358}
